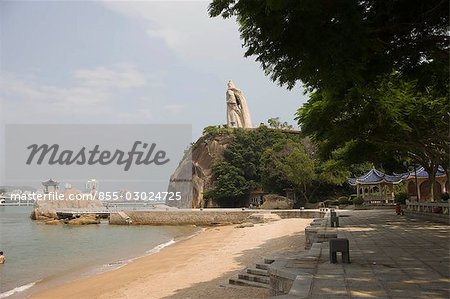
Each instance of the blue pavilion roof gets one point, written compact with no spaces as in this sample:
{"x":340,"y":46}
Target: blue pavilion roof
{"x":373,"y":177}
{"x":421,"y":173}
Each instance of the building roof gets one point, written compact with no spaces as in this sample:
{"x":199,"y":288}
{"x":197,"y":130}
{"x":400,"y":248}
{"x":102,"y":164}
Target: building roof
{"x":421,"y":173}
{"x":50,"y":182}
{"x":374,"y":177}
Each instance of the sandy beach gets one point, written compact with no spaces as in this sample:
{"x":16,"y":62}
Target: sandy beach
{"x":198,"y":267}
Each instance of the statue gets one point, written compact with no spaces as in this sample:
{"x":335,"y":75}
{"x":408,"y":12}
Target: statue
{"x":238,"y":115}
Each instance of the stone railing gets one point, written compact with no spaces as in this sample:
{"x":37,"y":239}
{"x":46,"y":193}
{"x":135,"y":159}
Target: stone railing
{"x":428,"y":207}
{"x":434,"y":211}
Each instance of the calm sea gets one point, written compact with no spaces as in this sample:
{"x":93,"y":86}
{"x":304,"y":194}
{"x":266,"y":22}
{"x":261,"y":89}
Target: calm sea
{"x":38,"y":253}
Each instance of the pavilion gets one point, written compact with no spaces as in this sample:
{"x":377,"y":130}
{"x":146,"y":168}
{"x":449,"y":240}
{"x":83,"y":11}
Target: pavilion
{"x":375,"y":186}
{"x":50,"y":186}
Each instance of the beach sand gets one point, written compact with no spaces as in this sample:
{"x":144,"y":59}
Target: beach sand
{"x":198,"y":267}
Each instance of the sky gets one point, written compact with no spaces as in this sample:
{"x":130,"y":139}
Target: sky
{"x":148,"y":62}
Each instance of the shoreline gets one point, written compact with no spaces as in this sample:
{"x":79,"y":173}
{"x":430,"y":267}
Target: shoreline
{"x":52,"y":281}
{"x":219,"y":252}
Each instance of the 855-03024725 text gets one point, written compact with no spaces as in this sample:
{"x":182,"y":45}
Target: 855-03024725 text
{"x":139,"y":196}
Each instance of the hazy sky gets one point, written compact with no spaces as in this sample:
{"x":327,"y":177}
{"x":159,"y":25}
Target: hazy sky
{"x":127,"y":62}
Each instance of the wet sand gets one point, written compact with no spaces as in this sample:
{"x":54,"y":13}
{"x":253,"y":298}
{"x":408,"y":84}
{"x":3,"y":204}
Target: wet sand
{"x":198,"y":267}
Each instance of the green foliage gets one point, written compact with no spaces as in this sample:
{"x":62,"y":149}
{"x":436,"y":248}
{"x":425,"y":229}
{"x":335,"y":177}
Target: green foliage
{"x":313,"y":200}
{"x":393,"y":120}
{"x":275,"y":123}
{"x":445,"y":196}
{"x":377,"y":73}
{"x":357,"y":201}
{"x":230,"y":185}
{"x":352,"y":197}
{"x":401,"y":197}
{"x":400,"y":187}
{"x":299,"y":169}
{"x":287,"y":164}
{"x":240,"y":172}
{"x":334,"y":203}
{"x":332,"y":172}
{"x":343,"y":200}
{"x":271,"y":159}
{"x":273,"y":178}
{"x":393,"y":117}
{"x":336,"y":44}
{"x":247,"y":147}
{"x":214,"y":130}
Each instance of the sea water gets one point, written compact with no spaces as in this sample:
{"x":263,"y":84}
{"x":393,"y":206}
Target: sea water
{"x":38,"y":252}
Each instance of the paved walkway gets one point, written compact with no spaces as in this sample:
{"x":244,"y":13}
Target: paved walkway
{"x":392,"y":257}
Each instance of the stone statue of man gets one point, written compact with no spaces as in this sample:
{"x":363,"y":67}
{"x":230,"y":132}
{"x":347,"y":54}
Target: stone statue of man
{"x":238,"y":115}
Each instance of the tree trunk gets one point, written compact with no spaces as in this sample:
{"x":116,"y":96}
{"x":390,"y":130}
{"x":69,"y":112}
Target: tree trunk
{"x":446,"y":170}
{"x":431,"y":169}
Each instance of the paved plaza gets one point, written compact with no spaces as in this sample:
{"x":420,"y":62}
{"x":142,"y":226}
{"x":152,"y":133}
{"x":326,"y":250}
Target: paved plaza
{"x":391,"y":257}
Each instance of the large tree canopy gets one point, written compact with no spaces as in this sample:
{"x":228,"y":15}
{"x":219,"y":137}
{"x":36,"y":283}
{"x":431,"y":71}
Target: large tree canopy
{"x":377,"y":71}
{"x":334,"y":44}
{"x":394,"y":118}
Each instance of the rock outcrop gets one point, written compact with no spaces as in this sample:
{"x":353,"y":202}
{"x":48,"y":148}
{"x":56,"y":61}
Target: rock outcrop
{"x":274,"y":201}
{"x":262,"y":218}
{"x":45,"y":208}
{"x":83,"y":220}
{"x":198,"y":162}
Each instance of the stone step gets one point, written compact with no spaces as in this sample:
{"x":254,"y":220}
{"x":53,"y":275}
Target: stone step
{"x":256,"y":278}
{"x":259,"y":272}
{"x":262,"y":266}
{"x":242,"y":282}
{"x":268,"y":261}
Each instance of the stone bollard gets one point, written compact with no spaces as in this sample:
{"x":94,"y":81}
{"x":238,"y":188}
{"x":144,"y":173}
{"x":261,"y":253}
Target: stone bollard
{"x":334,"y":220}
{"x":339,"y":245}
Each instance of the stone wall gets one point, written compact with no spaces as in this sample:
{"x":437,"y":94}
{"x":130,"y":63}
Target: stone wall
{"x":200,"y":217}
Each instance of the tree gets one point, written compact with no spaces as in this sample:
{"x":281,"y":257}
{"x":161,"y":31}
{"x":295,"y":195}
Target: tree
{"x":273,"y":176}
{"x":288,"y":165}
{"x":275,"y":123}
{"x":240,"y":171}
{"x":247,"y":147}
{"x":338,"y":44}
{"x":230,"y":186}
{"x":377,"y":71}
{"x":299,"y":170}
{"x":397,"y":118}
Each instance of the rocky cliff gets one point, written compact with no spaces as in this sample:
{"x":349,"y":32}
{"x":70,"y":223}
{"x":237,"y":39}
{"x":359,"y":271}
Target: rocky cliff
{"x":203,"y":154}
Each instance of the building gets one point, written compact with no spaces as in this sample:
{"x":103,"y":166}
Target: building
{"x":50,"y":186}
{"x":420,"y":175}
{"x":375,"y":186}
{"x":378,"y":187}
{"x":91,"y":185}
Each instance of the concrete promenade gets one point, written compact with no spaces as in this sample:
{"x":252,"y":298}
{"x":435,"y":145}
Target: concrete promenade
{"x":391,"y":257}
